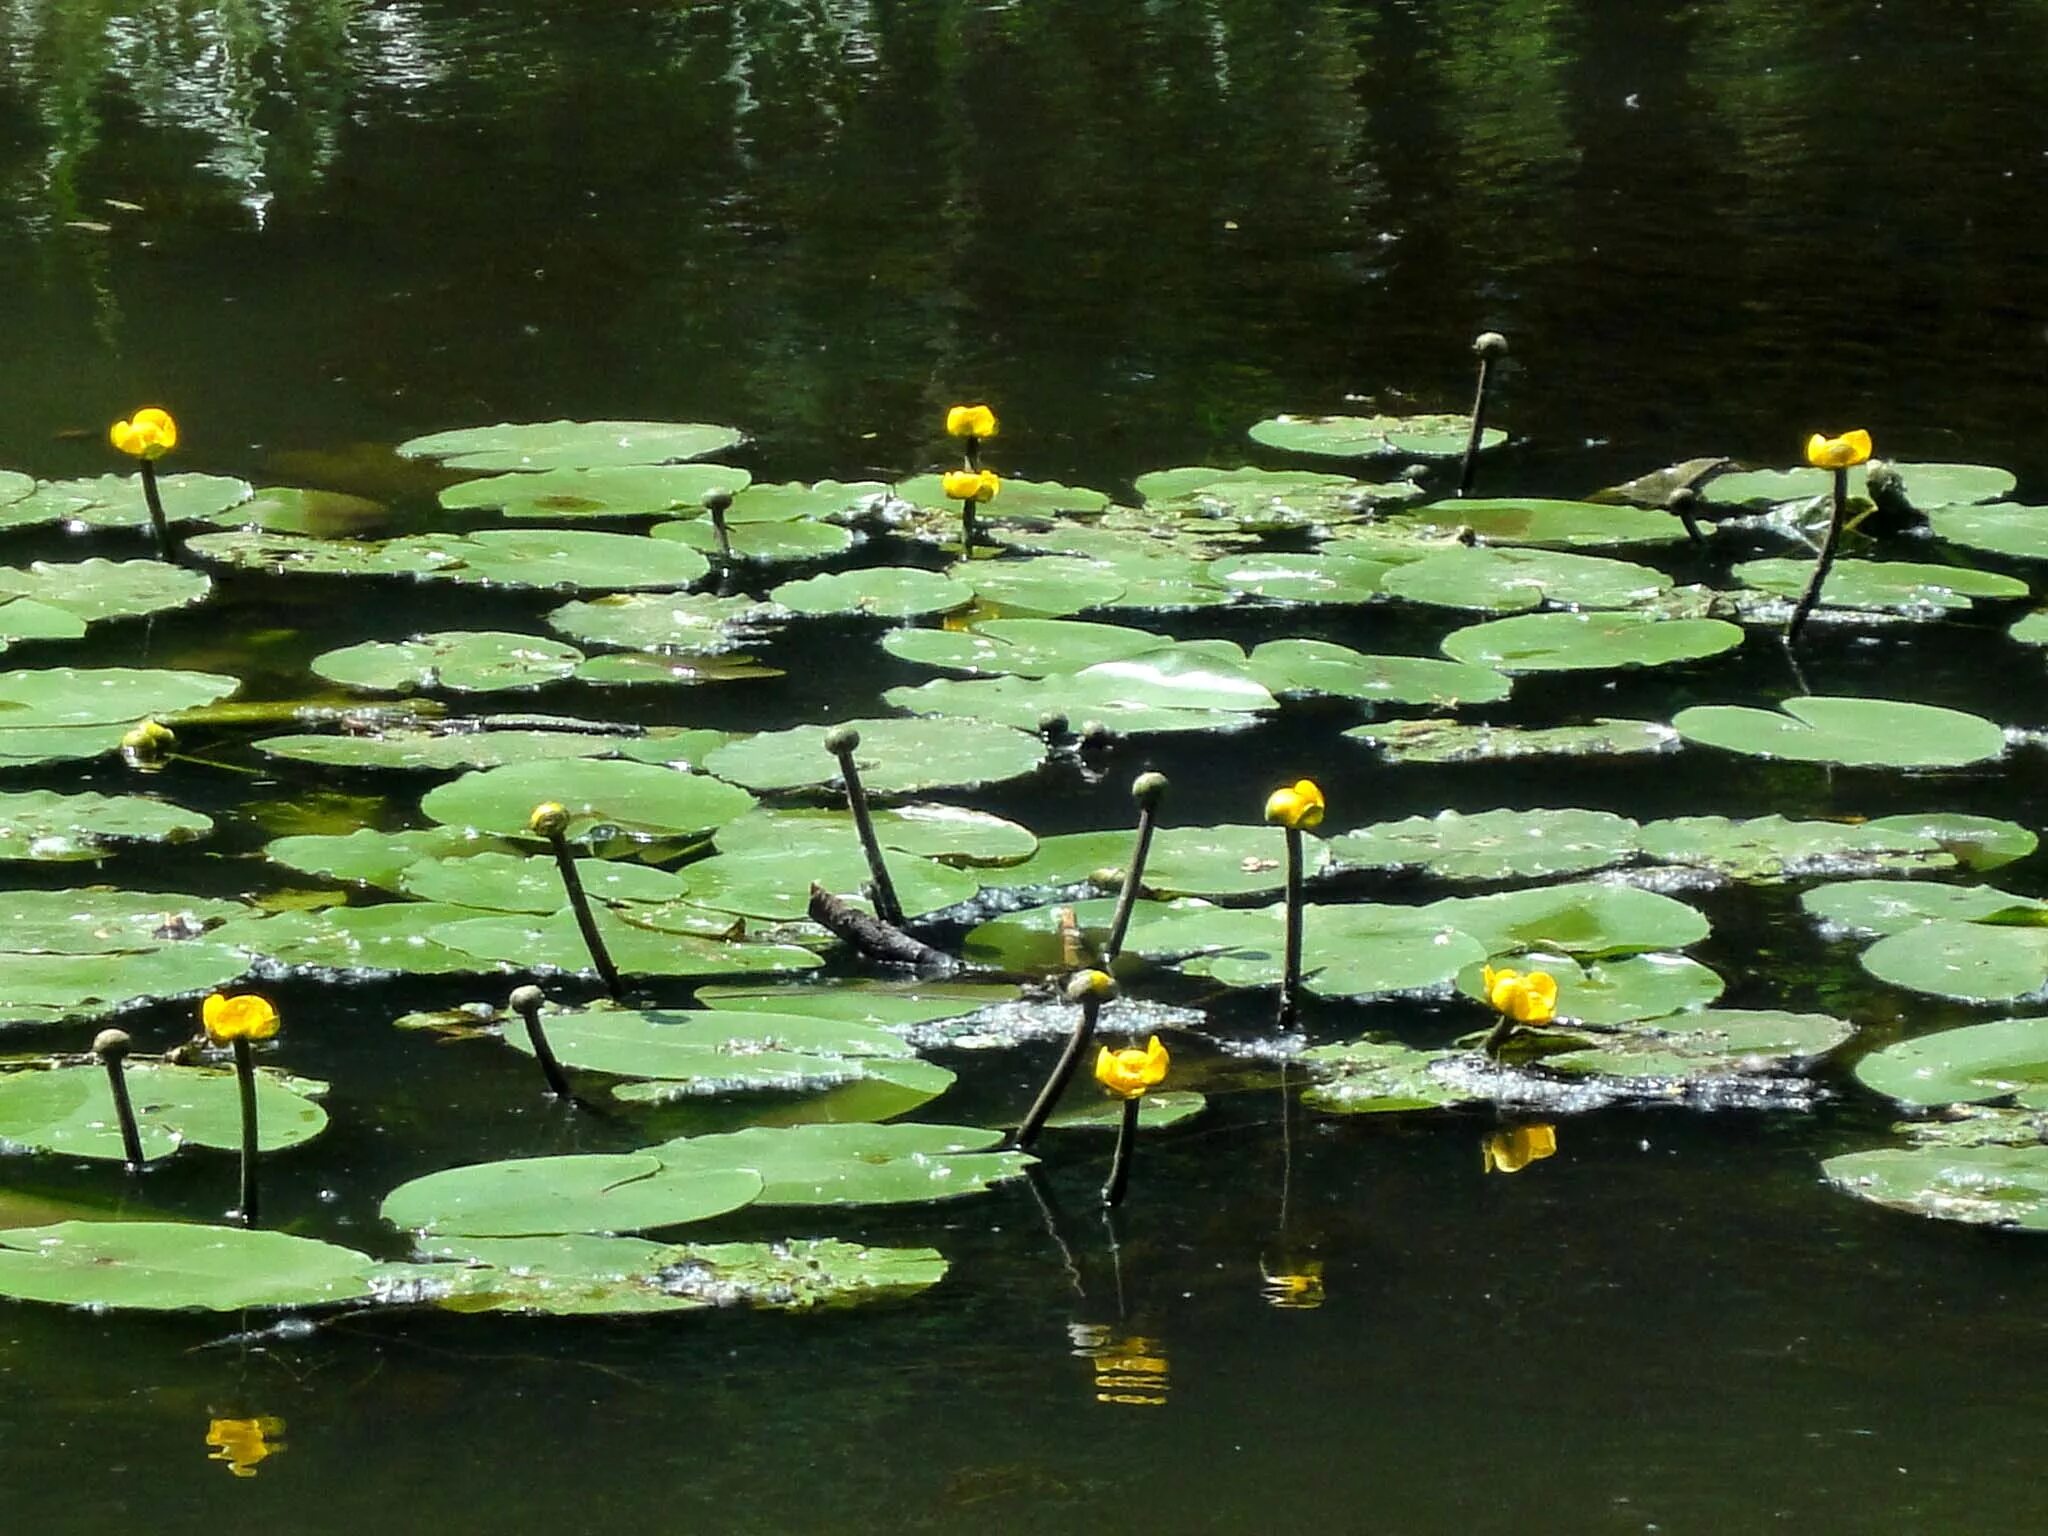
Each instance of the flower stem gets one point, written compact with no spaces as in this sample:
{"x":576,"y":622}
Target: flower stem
{"x":1062,"y":1074}
{"x":245,"y":1080}
{"x":158,"y":523}
{"x":842,"y":742}
{"x":526,"y":1002}
{"x":1290,"y":978}
{"x":1148,"y":790}
{"x":579,"y":903}
{"x":1837,"y":515}
{"x":1488,"y":346}
{"x":111,"y":1046}
{"x":1497,"y":1037}
{"x":1126,"y":1143}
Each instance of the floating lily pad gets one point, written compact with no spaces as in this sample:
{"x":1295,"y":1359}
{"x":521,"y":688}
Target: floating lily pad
{"x":379,"y":859}
{"x":631,"y":490}
{"x":2004,"y":528}
{"x":1156,"y":1111}
{"x":42,"y":826}
{"x":1183,"y":861}
{"x":602,"y":796}
{"x":876,"y":591}
{"x":1715,"y":1042}
{"x":793,"y":501}
{"x":396,"y":938}
{"x":620,"y":670}
{"x":1892,"y":906}
{"x":1517,"y":580}
{"x":290,"y":509}
{"x":1373,"y":1076}
{"x":70,"y":1110}
{"x":1018,"y":497}
{"x":1773,"y":848}
{"x":1493,"y":845}
{"x":695,"y":623}
{"x":164,"y":1266}
{"x":1623,"y":991}
{"x":655,"y":945}
{"x":1023,"y":647}
{"x":1855,"y":732}
{"x":452,"y":749}
{"x":571,"y":444}
{"x":772,"y":885}
{"x":508,"y":882}
{"x":89,"y":591}
{"x":795,"y":539}
{"x":1976,"y":962}
{"x":711,"y":1051}
{"x":1977,"y":1064}
{"x":103,"y":922}
{"x":590,"y":1192}
{"x":861,"y":1000}
{"x":949,"y":833}
{"x":1449,"y":741}
{"x":856,"y":1164}
{"x":896,"y":757}
{"x":1533,"y":520}
{"x":116,"y":501}
{"x":1926,"y":485}
{"x":1982,"y":1186}
{"x":1321,"y":666}
{"x":1358,"y":437}
{"x":464,"y":661}
{"x":1585,"y":918}
{"x":1255,"y":499}
{"x":1559,"y":642}
{"x":563,"y":559}
{"x":1049,"y":586}
{"x":72,"y":696}
{"x":1882,"y":586}
{"x":1320,"y":578}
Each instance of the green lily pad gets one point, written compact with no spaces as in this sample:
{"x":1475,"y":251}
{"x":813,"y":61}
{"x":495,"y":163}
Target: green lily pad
{"x":876,"y":591}
{"x":603,"y":797}
{"x":1517,"y":580}
{"x":1560,"y":642}
{"x":1882,"y":586}
{"x":1023,"y":647}
{"x":1046,"y":587}
{"x":117,"y":501}
{"x":291,"y":509}
{"x":1712,"y":1043}
{"x":1926,"y":485}
{"x":1855,"y":732}
{"x":856,"y":1164}
{"x":711,"y":1051}
{"x":460,"y":660}
{"x":1157,"y":574}
{"x":1979,"y":1063}
{"x":427,"y":749}
{"x":557,"y":558}
{"x":1156,"y":1111}
{"x":1982,"y":1186}
{"x":91,"y":591}
{"x":629,"y":490}
{"x":1260,"y":500}
{"x":1533,"y":520}
{"x":1493,"y":845}
{"x":571,"y":444}
{"x":379,"y":859}
{"x":510,"y":882}
{"x":589,"y":1192}
{"x":870,"y":1089}
{"x":40,"y":825}
{"x":690,"y":623}
{"x":769,"y":884}
{"x":796,"y":539}
{"x":1358,"y":437}
{"x":862,"y":1000}
{"x":72,"y":696}
{"x":1375,"y":1077}
{"x":396,"y":938}
{"x":2003,"y":528}
{"x":1585,"y":918}
{"x":1017,"y":498}
{"x":103,"y":922}
{"x":1613,"y":992}
{"x":1973,"y":961}
{"x":164,"y":1266}
{"x":1892,"y":906}
{"x":949,"y":833}
{"x":70,"y":1110}
{"x":793,"y":501}
{"x":1320,"y":578}
{"x":1772,"y":848}
{"x":556,"y":942}
{"x":1321,"y":666}
{"x":1449,"y":741}
{"x":895,"y":757}
{"x":1183,"y":861}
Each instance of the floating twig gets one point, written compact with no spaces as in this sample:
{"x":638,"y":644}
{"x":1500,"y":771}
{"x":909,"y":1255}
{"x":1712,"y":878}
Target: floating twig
{"x":873,"y":937}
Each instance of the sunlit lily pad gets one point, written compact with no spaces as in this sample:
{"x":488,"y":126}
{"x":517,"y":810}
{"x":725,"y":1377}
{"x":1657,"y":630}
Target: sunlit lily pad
{"x":773,"y":885}
{"x":41,"y":825}
{"x":1551,"y":524}
{"x":949,"y":833}
{"x":555,"y":942}
{"x":292,"y":509}
{"x":1990,"y":1186}
{"x":863,"y":1000}
{"x":463,"y":661}
{"x":793,"y":501}
{"x":396,"y":938}
{"x":896,"y":757}
{"x":1046,"y":587}
{"x":116,"y":501}
{"x":1926,"y":485}
{"x":1882,"y":586}
{"x":69,"y":696}
{"x":1892,"y":906}
{"x":1357,"y":437}
{"x":1451,"y":741}
{"x":710,"y":1051}
{"x":1319,"y":578}
{"x":1023,"y":647}
{"x":1855,"y":732}
{"x":1977,"y":962}
{"x":1713,"y":1042}
{"x":635,"y":490}
{"x":1559,"y":642}
{"x":697,"y":623}
{"x":89,"y":591}
{"x":638,"y":800}
{"x":1620,"y":991}
{"x":70,"y":1110}
{"x":1773,"y":848}
{"x":1018,"y":497}
{"x":1256,"y":499}
{"x":790,"y":539}
{"x":1517,"y":580}
{"x":1183,"y":861}
{"x":1324,"y":667}
{"x":167,"y":1266}
{"x":378,"y":859}
{"x":1372,"y":1076}
{"x":590,"y":1192}
{"x":504,"y":882}
{"x":540,"y":445}
{"x":1156,"y":1111}
{"x":856,"y":1164}
{"x":456,"y":747}
{"x":1585,"y":918}
{"x":1977,"y":1064}
{"x":876,"y":591}
{"x":1492,"y":845}
{"x":2003,"y":528}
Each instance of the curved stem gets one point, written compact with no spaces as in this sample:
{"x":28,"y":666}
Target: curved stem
{"x":887,"y":907}
{"x":1133,"y":878}
{"x":724,"y":535}
{"x":1126,"y":1144}
{"x":245,"y":1080}
{"x":1062,"y":1074}
{"x":1837,"y":515}
{"x":1290,"y":979}
{"x":558,"y":1082}
{"x":586,"y":920}
{"x":1478,"y":427}
{"x":158,"y":523}
{"x":124,"y":1111}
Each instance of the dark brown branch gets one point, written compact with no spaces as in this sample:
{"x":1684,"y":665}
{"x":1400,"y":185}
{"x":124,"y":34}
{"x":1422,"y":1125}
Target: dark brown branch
{"x":873,"y":937}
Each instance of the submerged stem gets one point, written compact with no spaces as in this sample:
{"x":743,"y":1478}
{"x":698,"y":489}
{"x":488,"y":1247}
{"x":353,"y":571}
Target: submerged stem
{"x":245,"y":1080}
{"x":158,"y":523}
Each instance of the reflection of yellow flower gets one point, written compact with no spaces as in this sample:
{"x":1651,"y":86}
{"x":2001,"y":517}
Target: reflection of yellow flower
{"x":242,"y":1017}
{"x":1837,"y":452}
{"x":1512,"y":1151}
{"x":1301,"y":1290}
{"x":1530,"y":999}
{"x":241,"y":1443}
{"x":1128,"y":1074}
{"x":1298,"y":807}
{"x":971,"y":484}
{"x":970,"y":421}
{"x":151,"y":435}
{"x":1131,"y":1370}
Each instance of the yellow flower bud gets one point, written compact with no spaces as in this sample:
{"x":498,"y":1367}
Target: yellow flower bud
{"x":244,"y":1016}
{"x":1851,"y":448}
{"x":1128,"y":1074}
{"x":150,"y":435}
{"x":1297,"y":807}
{"x":549,"y":819}
{"x":970,"y":421}
{"x":147,"y":738}
{"x":971,"y":485}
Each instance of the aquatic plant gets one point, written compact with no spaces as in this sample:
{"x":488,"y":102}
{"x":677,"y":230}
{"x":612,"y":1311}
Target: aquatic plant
{"x":1838,"y":455}
{"x":972,"y":486}
{"x":1295,"y":808}
{"x":148,"y":436}
{"x":239,"y":1021}
{"x":1128,"y":1075}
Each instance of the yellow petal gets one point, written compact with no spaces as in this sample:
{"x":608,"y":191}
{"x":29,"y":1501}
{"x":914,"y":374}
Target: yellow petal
{"x":991,"y":483}
{"x":1858,"y":445}
{"x":1283,"y":808}
{"x":1311,"y":797}
{"x":1535,"y":1000}
{"x":970,"y":421}
{"x":1155,"y":1062}
{"x":1817,"y":451}
{"x":961,"y":485}
{"x":244,"y":1016}
{"x":1502,"y":991}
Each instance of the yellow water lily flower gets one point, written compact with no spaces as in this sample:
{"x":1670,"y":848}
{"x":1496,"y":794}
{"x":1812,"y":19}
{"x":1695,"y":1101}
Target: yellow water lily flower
{"x":149,"y":435}
{"x":971,"y":484}
{"x":1530,"y":999}
{"x":242,"y":1443}
{"x":1512,"y":1151}
{"x":1842,"y":452}
{"x":970,"y":421}
{"x":244,"y":1016}
{"x":1128,"y":1074}
{"x":1297,"y":807}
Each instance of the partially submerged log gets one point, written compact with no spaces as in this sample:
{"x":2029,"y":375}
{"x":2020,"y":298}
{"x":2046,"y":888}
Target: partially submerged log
{"x":873,"y":937}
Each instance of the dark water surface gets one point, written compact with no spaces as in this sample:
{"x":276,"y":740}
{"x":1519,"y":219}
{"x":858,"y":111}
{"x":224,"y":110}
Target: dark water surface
{"x":1707,"y":228}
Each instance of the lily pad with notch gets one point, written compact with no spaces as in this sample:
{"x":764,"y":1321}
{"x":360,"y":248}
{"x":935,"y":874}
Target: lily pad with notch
{"x":630,"y":490}
{"x":1852,"y":732}
{"x":1589,"y":641}
{"x":540,"y":445}
{"x":895,"y":757}
{"x":164,"y":1266}
{"x":1492,"y":845}
{"x":69,"y":1110}
{"x":1439,"y":436}
{"x":603,"y":796}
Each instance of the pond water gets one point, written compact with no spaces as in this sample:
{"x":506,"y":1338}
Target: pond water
{"x":317,"y":228}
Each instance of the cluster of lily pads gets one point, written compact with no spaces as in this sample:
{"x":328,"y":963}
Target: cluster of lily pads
{"x":1057,"y":636}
